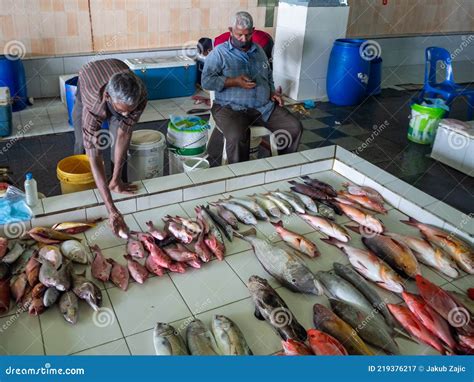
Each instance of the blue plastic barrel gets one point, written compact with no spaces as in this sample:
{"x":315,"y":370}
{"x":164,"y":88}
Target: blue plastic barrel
{"x":71,"y":90}
{"x":375,"y":77}
{"x":12,"y":74}
{"x":348,"y":73}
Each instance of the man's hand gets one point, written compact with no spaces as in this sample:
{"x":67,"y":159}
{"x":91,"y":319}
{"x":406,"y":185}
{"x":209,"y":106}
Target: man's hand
{"x":123,"y":188}
{"x":277,"y":97}
{"x":118,"y":225}
{"x":244,"y":82}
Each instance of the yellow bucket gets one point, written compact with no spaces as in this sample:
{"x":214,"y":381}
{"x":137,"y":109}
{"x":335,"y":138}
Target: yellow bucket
{"x":75,"y":174}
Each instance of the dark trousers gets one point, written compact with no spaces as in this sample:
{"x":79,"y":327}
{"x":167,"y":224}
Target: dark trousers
{"x":235,"y":127}
{"x":78,"y":138}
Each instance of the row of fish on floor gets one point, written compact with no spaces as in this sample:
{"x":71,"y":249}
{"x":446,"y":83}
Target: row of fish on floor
{"x":36,"y":270}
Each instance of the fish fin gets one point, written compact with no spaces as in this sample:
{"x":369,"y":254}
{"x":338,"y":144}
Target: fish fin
{"x":332,"y":241}
{"x":250,"y":232}
{"x":354,"y":228}
{"x":411,"y":221}
{"x":277,"y":223}
{"x":258,"y":315}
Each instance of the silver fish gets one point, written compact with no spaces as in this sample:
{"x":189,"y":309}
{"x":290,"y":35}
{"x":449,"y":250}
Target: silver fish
{"x":373,"y":331}
{"x":327,"y":227}
{"x":228,"y":216}
{"x":309,"y":203}
{"x":270,"y":207}
{"x":293,"y":201}
{"x":14,"y":253}
{"x":229,"y":337}
{"x":19,"y":265}
{"x":50,"y":296}
{"x":339,"y":288}
{"x":75,"y":251}
{"x":347,"y":273}
{"x":251,"y":205}
{"x":269,"y":306}
{"x":282,"y":204}
{"x":326,"y":211}
{"x":242,"y":213}
{"x":58,"y":278}
{"x":224,"y":225}
{"x":209,"y":225}
{"x":167,"y":341}
{"x":286,"y":267}
{"x":86,"y":290}
{"x":69,"y":307}
{"x":200,"y":340}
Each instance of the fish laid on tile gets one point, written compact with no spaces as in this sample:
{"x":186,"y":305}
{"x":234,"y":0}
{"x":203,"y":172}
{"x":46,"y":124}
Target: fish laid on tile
{"x":430,"y":319}
{"x":180,"y":232}
{"x":347,"y":273}
{"x":50,"y":296}
{"x":428,"y":254}
{"x":397,"y":254}
{"x":159,"y":256}
{"x":191,"y":226}
{"x":269,"y":306}
{"x":312,"y":192}
{"x":167,"y":341}
{"x":51,"y":254}
{"x":138,"y":272}
{"x":269,"y":206}
{"x":58,"y":278}
{"x":32,"y":270}
{"x":19,"y":266}
{"x":460,"y":251}
{"x":179,"y":252}
{"x":242,"y":214}
{"x":213,"y":237}
{"x":282,"y":204}
{"x":69,"y":307}
{"x":363,"y":191}
{"x":226,"y":228}
{"x":327,"y":321}
{"x":327,"y":227}
{"x":228,"y":336}
{"x":296,"y":241}
{"x":323,"y":186}
{"x":16,"y":249}
{"x":3,"y":247}
{"x":74,"y":227}
{"x":250,"y":205}
{"x":38,"y":290}
{"x":135,"y":248}
{"x":18,"y":284}
{"x":155,"y":232}
{"x":200,"y":340}
{"x":86,"y":290}
{"x":323,"y":344}
{"x":119,"y":275}
{"x":49,"y":236}
{"x":309,"y":203}
{"x":373,"y":331}
{"x":75,"y":251}
{"x":292,"y":348}
{"x":370,"y":266}
{"x":228,"y":216}
{"x":36,"y":306}
{"x":100,"y":267}
{"x":153,"y":266}
{"x":414,"y":326}
{"x":446,"y":306}
{"x":4,"y":296}
{"x":365,"y":202}
{"x":366,"y":220}
{"x":284,"y":266}
{"x":201,"y":248}
{"x":293,"y":201}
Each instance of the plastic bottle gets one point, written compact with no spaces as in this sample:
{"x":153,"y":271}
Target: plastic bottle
{"x":31,"y":190}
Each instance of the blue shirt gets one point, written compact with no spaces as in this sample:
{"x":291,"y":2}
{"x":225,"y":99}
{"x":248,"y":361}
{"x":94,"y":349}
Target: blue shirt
{"x":228,"y":61}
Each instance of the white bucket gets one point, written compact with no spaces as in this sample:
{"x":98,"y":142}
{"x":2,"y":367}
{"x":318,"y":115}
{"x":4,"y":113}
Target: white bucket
{"x":195,"y":164}
{"x":176,"y":162}
{"x":146,"y":155}
{"x":254,"y":147}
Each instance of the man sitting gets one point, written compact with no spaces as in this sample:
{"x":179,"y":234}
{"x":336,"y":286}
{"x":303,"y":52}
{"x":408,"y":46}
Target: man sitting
{"x":239,"y":72}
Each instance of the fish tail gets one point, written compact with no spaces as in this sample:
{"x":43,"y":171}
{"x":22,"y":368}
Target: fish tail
{"x":411,"y":221}
{"x":278,"y":223}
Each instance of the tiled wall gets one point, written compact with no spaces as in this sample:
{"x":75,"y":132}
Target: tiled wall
{"x":58,"y":27}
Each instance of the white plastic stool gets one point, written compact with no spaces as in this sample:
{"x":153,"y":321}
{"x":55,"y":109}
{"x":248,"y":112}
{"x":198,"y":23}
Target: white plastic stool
{"x":255,"y":132}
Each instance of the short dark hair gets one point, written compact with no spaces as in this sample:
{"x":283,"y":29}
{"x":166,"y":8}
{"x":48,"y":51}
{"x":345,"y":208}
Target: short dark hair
{"x":204,"y":44}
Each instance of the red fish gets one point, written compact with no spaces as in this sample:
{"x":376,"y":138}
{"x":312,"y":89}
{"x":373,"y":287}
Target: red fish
{"x":202,"y":249}
{"x":470,"y":293}
{"x":3,"y":246}
{"x":447,"y":307}
{"x":135,"y":249}
{"x":159,"y":256}
{"x":100,"y":268}
{"x":156,"y":232}
{"x":293,"y":347}
{"x":36,"y":307}
{"x":119,"y":274}
{"x":153,"y":267}
{"x":4,"y":296}
{"x":32,"y":271}
{"x":215,"y":246}
{"x":180,"y":253}
{"x":429,"y":318}
{"x":324,"y":344}
{"x":413,"y":326}
{"x":138,"y":272}
{"x":18,"y":286}
{"x":365,"y":201}
{"x":467,"y":343}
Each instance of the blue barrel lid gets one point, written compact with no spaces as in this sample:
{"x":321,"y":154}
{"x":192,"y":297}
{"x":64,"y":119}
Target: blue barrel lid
{"x":349,"y":42}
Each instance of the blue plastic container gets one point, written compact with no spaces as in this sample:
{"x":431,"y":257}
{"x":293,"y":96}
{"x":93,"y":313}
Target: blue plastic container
{"x":375,"y":77}
{"x":12,"y":74}
{"x":348,"y":73}
{"x":166,"y":77}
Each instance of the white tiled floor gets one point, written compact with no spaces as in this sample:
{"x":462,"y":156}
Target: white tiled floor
{"x":125,"y":323}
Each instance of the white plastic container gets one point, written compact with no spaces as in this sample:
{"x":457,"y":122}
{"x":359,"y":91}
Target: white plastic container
{"x":176,"y":161}
{"x":195,"y":164}
{"x":31,"y":190}
{"x":146,"y":155}
{"x":254,"y":147}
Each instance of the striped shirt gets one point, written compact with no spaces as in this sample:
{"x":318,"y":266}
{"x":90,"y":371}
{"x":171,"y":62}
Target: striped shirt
{"x":93,"y":78}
